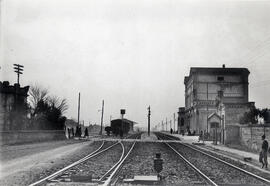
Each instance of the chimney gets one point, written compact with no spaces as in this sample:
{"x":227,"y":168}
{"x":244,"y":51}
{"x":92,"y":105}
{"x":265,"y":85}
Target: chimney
{"x":223,"y":66}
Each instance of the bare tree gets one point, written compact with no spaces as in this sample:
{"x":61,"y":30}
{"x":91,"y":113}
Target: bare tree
{"x":36,"y":95}
{"x":58,"y":103}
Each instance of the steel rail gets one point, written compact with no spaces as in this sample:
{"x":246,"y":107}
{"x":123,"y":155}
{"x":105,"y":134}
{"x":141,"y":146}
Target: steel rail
{"x":136,"y":134}
{"x":91,"y":155}
{"x":122,"y":155}
{"x":189,"y":163}
{"x":192,"y":166}
{"x":227,"y":163}
{"x":109,"y":180}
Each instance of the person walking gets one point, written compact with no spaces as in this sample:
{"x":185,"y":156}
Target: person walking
{"x":200,"y":136}
{"x":263,"y":153}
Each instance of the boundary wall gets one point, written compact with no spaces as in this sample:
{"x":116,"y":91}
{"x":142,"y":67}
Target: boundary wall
{"x":29,"y":136}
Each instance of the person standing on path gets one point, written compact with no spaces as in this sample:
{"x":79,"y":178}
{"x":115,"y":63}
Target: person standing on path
{"x":264,"y":152}
{"x":200,"y":136}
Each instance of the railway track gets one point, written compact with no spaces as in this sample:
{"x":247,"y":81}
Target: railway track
{"x":72,"y":171}
{"x":215,"y":170}
{"x":142,"y":158}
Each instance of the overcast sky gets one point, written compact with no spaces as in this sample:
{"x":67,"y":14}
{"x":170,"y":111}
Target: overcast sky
{"x":132,"y":53}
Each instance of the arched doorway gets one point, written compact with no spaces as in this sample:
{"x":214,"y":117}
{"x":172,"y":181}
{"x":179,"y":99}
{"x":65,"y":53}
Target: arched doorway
{"x":215,"y":130}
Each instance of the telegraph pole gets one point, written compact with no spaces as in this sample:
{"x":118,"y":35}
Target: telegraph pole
{"x":174,"y":122}
{"x":166,"y":125}
{"x":207,"y":109}
{"x":79,"y":109}
{"x":18,"y":69}
{"x":101,"y":122}
{"x":149,"y":113}
{"x":162,"y":125}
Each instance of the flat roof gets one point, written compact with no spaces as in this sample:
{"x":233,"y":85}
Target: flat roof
{"x":219,"y":70}
{"x":215,"y":70}
{"x":127,"y":120}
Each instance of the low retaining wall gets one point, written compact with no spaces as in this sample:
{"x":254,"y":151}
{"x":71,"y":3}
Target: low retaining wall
{"x":232,"y":134}
{"x":251,"y":136}
{"x":29,"y":136}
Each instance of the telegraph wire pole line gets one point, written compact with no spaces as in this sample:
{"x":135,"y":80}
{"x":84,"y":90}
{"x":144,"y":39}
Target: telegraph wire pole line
{"x":102,"y":112}
{"x":79,"y":104}
{"x":149,"y":113}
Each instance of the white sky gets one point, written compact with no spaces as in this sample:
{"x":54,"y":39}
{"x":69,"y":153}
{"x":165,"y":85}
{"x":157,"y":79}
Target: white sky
{"x":132,"y":53}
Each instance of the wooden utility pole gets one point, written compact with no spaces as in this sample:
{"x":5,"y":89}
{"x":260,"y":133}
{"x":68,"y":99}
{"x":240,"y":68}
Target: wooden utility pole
{"x":149,"y":113}
{"x":174,"y":122}
{"x":207,"y":108}
{"x":79,"y":109}
{"x":166,"y":124}
{"x":101,"y":122}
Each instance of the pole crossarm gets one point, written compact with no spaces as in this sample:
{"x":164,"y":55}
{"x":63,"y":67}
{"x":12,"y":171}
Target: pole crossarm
{"x":18,"y":69}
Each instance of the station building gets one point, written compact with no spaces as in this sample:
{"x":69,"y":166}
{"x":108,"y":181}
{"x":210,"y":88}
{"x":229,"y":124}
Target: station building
{"x":122,"y":124}
{"x":214,"y":97}
{"x":13,"y":106}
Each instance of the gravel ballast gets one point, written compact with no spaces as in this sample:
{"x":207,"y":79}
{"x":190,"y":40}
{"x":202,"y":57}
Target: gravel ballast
{"x":219,"y":172}
{"x":175,"y":171}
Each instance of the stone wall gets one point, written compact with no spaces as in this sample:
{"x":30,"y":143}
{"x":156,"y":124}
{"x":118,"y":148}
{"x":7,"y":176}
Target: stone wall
{"x":251,"y":136}
{"x":29,"y":136}
{"x":232,"y":134}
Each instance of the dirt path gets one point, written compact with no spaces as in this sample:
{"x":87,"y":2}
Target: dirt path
{"x":23,"y":170}
{"x":9,"y":152}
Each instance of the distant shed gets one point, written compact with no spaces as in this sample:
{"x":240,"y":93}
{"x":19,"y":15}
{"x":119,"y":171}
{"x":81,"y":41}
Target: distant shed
{"x":128,"y":126}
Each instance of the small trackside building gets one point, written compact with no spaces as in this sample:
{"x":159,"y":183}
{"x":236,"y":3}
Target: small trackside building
{"x":122,"y":124}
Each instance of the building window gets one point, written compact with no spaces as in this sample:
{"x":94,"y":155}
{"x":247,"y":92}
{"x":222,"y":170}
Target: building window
{"x":182,"y":122}
{"x":220,"y":93}
{"x":220,"y":78}
{"x":214,"y":125}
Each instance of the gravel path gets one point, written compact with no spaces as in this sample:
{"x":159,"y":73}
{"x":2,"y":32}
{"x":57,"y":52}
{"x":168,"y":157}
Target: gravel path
{"x":175,"y":171}
{"x":219,"y":172}
{"x":27,"y":169}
